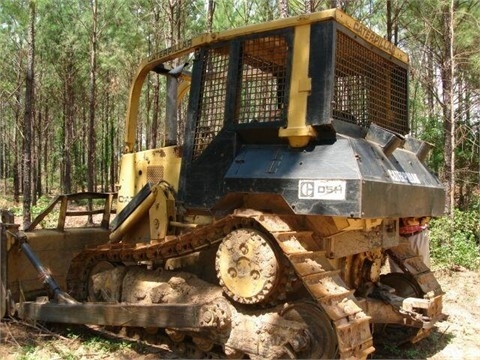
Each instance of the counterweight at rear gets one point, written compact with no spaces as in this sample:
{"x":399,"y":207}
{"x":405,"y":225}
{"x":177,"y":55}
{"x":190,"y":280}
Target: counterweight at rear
{"x":262,"y":226}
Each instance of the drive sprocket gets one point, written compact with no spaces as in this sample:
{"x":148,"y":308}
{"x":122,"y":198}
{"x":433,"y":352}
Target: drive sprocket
{"x":247,"y":266}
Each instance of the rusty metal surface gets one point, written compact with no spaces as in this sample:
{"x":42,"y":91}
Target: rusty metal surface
{"x":324,"y":283}
{"x":121,"y":314}
{"x":63,"y":201}
{"x":247,"y":267}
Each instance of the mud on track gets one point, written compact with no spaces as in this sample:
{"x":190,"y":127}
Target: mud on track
{"x":457,"y":337}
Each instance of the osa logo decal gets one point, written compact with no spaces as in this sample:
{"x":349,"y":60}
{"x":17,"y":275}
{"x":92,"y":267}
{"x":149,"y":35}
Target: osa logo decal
{"x":322,"y":189}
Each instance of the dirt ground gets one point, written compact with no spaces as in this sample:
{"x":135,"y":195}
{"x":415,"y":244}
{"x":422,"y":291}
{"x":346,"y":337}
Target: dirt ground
{"x":457,"y":337}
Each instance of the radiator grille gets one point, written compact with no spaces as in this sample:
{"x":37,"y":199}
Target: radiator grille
{"x":369,"y":88}
{"x":155,"y":174}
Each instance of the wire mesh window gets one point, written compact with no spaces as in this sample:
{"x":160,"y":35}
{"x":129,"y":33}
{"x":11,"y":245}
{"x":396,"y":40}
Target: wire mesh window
{"x":214,"y":91}
{"x":369,"y":88}
{"x":263,"y":74}
{"x":262,"y":87}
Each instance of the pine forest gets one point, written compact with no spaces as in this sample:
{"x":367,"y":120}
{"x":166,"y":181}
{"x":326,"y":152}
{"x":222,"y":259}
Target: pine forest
{"x":66,"y":69}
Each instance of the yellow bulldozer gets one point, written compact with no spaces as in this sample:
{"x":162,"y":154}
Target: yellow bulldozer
{"x":261,"y":227}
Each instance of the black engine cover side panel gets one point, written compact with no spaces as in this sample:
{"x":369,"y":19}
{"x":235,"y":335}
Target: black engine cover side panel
{"x":350,"y":178}
{"x":203,"y":183}
{"x":300,"y":176}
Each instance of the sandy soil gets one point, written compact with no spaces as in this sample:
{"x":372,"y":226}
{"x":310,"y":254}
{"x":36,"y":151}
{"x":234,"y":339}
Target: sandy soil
{"x":457,"y":337}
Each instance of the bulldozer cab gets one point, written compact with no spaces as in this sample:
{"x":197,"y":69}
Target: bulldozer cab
{"x":295,"y":82}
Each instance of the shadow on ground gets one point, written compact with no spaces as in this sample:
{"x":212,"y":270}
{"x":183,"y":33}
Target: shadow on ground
{"x":387,"y":348}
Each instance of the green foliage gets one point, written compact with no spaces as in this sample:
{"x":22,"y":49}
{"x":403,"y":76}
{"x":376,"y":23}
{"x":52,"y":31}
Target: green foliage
{"x":455,"y":240}
{"x":28,"y":352}
{"x":42,"y":203}
{"x":91,"y":346}
{"x":16,"y":209}
{"x":99,"y":344}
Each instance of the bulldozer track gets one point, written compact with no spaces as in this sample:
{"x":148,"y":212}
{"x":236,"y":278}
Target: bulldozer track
{"x":412,"y":264}
{"x":174,"y":246}
{"x":299,"y":246}
{"x":325,"y":285}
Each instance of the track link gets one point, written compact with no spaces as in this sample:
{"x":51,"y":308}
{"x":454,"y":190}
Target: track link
{"x":174,"y":246}
{"x":412,"y":264}
{"x":325,"y":285}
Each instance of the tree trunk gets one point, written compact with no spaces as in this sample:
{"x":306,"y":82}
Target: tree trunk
{"x":389,"y":21}
{"x":393,"y":15}
{"x":37,"y":177}
{"x":92,"y":100}
{"x":309,"y":6}
{"x":210,"y":14}
{"x":154,"y":128}
{"x":283,"y":8}
{"x":447,"y":74}
{"x":45,"y":153}
{"x":156,"y":111}
{"x":16,"y":150}
{"x":111,"y":109}
{"x":68,"y":118}
{"x":28,"y":120}
{"x":106,"y":140}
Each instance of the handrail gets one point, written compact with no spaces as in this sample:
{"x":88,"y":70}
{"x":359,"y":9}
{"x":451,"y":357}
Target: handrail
{"x":64,"y":212}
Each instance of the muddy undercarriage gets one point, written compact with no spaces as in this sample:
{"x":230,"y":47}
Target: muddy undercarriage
{"x":276,"y":293}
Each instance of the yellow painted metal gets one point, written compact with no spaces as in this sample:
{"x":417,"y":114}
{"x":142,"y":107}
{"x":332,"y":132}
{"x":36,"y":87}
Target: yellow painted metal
{"x":297,"y":131}
{"x":132,"y":220}
{"x":55,"y":249}
{"x":183,"y":88}
{"x":137,"y":169}
{"x":161,"y":213}
{"x":346,"y":224}
{"x":247,"y":266}
{"x":127,"y":189}
{"x":370,"y":36}
{"x":157,"y":209}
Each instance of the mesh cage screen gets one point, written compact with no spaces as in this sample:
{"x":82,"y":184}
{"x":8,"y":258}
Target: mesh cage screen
{"x":369,"y":88}
{"x":261,"y":87}
{"x":262,"y":97}
{"x":212,"y":110}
